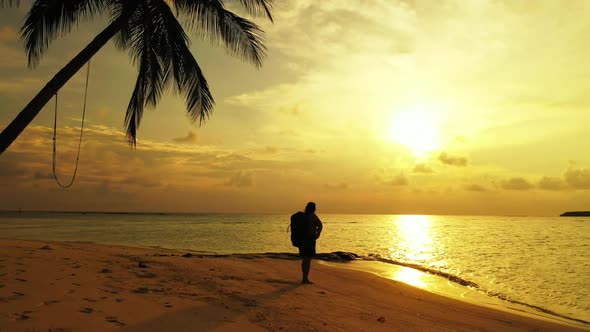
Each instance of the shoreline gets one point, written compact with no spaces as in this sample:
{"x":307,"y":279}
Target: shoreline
{"x":426,"y":279}
{"x":438,"y":284}
{"x":95,"y":287}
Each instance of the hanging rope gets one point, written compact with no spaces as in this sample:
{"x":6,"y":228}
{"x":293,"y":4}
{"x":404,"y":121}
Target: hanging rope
{"x":81,"y":133}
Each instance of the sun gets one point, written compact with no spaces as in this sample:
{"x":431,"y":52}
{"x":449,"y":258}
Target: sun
{"x":416,"y":128}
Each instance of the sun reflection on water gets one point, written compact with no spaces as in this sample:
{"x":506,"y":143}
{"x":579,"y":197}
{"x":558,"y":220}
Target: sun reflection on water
{"x":415,"y":238}
{"x":410,"y":276}
{"x":414,"y":245}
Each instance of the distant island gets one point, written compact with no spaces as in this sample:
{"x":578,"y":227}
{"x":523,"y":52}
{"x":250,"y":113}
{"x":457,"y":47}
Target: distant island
{"x":575,"y":214}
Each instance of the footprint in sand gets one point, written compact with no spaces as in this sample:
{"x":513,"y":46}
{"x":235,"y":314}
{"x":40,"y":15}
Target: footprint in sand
{"x":87,"y":310}
{"x":250,"y":303}
{"x":50,"y":302}
{"x":141,"y":290}
{"x":87,"y":299}
{"x":22,"y":316}
{"x":21,"y":280}
{"x":147,"y":275}
{"x":279,"y":281}
{"x":114,"y":320}
{"x":231,"y":278}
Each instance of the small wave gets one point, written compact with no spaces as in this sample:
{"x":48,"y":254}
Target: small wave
{"x":471,"y":284}
{"x":447,"y":275}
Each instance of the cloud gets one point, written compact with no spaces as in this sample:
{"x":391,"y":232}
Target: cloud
{"x":268,"y":150}
{"x":39,"y":175}
{"x":141,"y":181}
{"x":103,"y":112}
{"x":293,"y":111}
{"x":338,"y":186}
{"x":17,"y":85}
{"x":551,"y":183}
{"x":10,"y":167}
{"x":8,"y":34}
{"x":399,"y":180}
{"x":422,"y":168}
{"x":577,"y":178}
{"x":190,"y":138}
{"x":240,"y":179}
{"x":476,"y":187}
{"x":447,"y":159}
{"x":112,"y":176}
{"x":516,"y":184}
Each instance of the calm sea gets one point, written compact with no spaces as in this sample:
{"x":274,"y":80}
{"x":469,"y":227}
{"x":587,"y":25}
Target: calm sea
{"x":543,"y":263}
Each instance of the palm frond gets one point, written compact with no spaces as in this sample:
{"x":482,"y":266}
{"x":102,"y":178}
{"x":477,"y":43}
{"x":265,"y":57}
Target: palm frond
{"x":9,"y":3}
{"x":158,"y":44}
{"x":188,"y":76}
{"x":241,"y":37}
{"x":135,"y":109}
{"x":258,"y":7}
{"x":191,"y":82}
{"x":142,"y":37}
{"x":48,"y":18}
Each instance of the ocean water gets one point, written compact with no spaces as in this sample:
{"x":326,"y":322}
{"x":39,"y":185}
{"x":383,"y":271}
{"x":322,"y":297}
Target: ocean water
{"x":541,"y":263}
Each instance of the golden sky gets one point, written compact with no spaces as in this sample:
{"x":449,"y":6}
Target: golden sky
{"x":382,"y":106}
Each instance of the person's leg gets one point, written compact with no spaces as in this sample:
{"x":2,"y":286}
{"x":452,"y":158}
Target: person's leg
{"x":305,"y":267}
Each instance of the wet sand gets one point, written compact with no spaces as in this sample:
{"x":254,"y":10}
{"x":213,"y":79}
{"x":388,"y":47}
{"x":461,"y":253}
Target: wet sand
{"x":68,"y":286}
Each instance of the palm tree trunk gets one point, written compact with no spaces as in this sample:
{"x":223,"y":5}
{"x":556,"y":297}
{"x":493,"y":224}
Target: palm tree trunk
{"x":22,"y":120}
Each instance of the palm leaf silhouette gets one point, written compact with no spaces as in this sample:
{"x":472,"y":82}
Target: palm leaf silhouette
{"x":150,"y":31}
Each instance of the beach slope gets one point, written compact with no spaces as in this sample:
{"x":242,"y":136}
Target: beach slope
{"x":68,"y":286}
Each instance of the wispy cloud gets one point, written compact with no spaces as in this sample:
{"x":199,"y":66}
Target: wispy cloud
{"x":422,"y":168}
{"x":398,"y":180}
{"x":8,"y":34}
{"x":517,"y":184}
{"x":447,"y":159}
{"x":551,"y":183}
{"x":476,"y":187}
{"x":576,"y":177}
{"x":241,"y":179}
{"x":191,"y":138}
{"x":337,"y":186}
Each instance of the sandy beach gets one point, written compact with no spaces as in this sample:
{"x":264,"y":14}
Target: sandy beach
{"x":69,"y":286}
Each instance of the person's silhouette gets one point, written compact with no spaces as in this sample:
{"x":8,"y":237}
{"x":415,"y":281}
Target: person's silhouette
{"x":307,"y":247}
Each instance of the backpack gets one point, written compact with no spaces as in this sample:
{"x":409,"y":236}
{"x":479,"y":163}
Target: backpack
{"x":298,"y":228}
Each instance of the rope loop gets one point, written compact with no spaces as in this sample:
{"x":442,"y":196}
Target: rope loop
{"x":80,"y":140}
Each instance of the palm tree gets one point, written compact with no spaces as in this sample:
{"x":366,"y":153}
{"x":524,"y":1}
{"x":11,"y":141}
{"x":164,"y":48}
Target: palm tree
{"x":150,"y":31}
